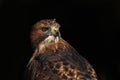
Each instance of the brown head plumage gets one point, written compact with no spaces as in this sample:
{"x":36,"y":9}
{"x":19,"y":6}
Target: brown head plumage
{"x":54,"y":58}
{"x":42,"y":30}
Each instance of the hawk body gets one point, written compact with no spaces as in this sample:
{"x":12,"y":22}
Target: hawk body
{"x":55,"y":59}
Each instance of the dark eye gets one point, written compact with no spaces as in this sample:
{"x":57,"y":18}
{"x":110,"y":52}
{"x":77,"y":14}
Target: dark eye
{"x":44,"y":29}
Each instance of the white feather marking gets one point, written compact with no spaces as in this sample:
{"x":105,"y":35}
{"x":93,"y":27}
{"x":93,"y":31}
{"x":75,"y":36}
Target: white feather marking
{"x":56,"y":39}
{"x":48,"y":40}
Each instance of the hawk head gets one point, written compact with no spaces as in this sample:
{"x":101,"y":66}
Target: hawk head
{"x":45,"y":31}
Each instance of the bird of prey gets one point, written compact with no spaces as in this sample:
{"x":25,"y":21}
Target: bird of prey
{"x":54,"y":58}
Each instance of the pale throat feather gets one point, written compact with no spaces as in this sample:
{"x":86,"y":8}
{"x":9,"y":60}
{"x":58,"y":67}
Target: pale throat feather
{"x":50,"y":39}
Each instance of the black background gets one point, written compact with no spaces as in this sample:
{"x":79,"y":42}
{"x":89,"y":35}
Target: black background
{"x":91,"y":27}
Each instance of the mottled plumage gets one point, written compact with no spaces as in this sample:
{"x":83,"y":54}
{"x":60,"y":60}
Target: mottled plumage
{"x":54,"y":58}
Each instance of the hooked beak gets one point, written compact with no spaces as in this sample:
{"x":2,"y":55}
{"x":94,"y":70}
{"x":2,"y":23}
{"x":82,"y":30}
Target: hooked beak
{"x":54,"y":31}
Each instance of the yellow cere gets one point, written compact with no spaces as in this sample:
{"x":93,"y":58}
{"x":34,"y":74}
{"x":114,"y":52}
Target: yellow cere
{"x":55,"y":28}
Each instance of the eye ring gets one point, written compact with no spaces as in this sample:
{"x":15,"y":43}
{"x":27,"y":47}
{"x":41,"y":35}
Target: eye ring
{"x":44,"y":29}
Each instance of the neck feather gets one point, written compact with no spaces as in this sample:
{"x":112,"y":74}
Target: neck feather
{"x":52,"y":45}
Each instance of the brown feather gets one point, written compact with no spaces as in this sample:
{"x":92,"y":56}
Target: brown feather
{"x":56,"y":61}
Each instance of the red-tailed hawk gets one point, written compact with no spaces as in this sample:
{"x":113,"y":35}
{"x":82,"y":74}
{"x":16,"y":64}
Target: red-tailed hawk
{"x":54,"y":58}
